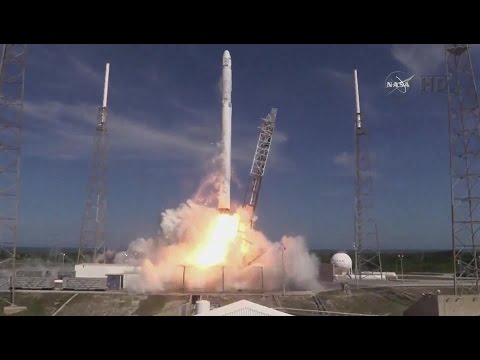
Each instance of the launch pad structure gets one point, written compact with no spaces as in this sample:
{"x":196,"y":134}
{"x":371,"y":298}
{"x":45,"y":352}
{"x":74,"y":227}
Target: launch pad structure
{"x":464,"y":139}
{"x":92,"y":232}
{"x":367,"y":247}
{"x":221,"y":281}
{"x":257,"y":171}
{"x":12,"y":85}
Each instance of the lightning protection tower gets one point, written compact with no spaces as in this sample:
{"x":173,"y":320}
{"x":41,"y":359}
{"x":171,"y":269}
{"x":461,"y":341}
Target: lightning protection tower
{"x":92,"y":233}
{"x":12,"y":79}
{"x":464,"y":136}
{"x":367,"y":248}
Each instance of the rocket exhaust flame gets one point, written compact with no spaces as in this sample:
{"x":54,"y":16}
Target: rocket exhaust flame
{"x":214,"y":251}
{"x":197,"y":244}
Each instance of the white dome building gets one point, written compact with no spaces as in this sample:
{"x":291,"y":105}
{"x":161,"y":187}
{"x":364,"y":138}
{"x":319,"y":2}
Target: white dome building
{"x":342,"y":263}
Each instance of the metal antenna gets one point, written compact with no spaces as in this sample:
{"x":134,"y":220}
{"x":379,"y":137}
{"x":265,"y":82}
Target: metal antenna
{"x":367,"y":249}
{"x":92,"y":233}
{"x":464,"y":139}
{"x":12,"y":83}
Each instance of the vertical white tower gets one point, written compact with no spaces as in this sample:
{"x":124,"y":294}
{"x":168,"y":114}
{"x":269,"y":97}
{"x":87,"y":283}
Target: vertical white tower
{"x":105,"y":86}
{"x":224,"y":196}
{"x":357,"y":101}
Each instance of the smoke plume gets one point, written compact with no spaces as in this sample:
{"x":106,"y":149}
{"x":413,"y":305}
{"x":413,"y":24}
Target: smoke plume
{"x":166,"y":261}
{"x":249,"y":261}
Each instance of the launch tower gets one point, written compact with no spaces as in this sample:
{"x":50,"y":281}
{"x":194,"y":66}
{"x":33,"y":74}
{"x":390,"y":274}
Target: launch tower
{"x":92,"y":233}
{"x":260,"y":161}
{"x":256,"y":175}
{"x":367,"y":248}
{"x":12,"y":82}
{"x":464,"y":135}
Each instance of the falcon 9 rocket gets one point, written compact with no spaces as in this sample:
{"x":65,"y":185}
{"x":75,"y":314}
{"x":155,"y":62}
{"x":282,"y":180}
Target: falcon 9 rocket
{"x":224,"y":195}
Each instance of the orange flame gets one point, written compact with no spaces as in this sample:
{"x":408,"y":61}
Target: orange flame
{"x":214,"y":250}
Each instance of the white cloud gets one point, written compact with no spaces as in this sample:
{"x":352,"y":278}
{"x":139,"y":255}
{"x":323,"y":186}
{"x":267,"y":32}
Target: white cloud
{"x":87,"y":72}
{"x":344,"y":160}
{"x":343,"y":81}
{"x":71,"y":129}
{"x":426,"y":59}
{"x":280,"y":137}
{"x":335,"y":76}
{"x":419,"y":59}
{"x":65,"y":131}
{"x":61,"y":130}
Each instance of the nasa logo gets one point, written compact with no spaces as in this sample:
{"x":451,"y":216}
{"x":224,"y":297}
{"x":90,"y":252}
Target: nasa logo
{"x":397,"y":83}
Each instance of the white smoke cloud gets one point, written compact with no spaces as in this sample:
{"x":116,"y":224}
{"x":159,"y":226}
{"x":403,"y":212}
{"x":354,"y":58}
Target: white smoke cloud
{"x":301,"y":266}
{"x":165,"y":260}
{"x":105,"y":257}
{"x":170,"y":262}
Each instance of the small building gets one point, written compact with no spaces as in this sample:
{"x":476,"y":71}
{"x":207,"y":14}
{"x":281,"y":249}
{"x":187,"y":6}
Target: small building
{"x":239,"y":308}
{"x":97,"y":270}
{"x":445,"y":305}
{"x":117,"y":276}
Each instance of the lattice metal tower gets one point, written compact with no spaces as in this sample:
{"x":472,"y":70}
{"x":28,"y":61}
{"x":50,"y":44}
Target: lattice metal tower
{"x":367,"y":248}
{"x":260,"y":161}
{"x":464,"y":135}
{"x":12,"y":80}
{"x":257,"y":171}
{"x":92,"y":233}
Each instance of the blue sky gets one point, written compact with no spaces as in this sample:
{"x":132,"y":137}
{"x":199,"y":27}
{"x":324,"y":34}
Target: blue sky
{"x":164,"y":108}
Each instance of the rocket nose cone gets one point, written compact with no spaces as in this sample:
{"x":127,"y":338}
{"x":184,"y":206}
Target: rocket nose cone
{"x":226,"y":54}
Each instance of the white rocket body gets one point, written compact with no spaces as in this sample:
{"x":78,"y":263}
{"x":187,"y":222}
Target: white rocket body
{"x":224,"y":196}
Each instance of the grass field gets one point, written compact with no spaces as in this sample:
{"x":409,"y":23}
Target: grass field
{"x":87,"y":304}
{"x":38,"y":304}
{"x":380,"y":301}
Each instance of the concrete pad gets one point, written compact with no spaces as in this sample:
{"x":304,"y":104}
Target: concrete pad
{"x":445,"y":305}
{"x":13,"y":309}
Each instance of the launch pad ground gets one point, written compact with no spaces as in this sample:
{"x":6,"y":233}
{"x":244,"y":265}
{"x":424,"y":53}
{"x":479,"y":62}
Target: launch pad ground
{"x":373,"y":301}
